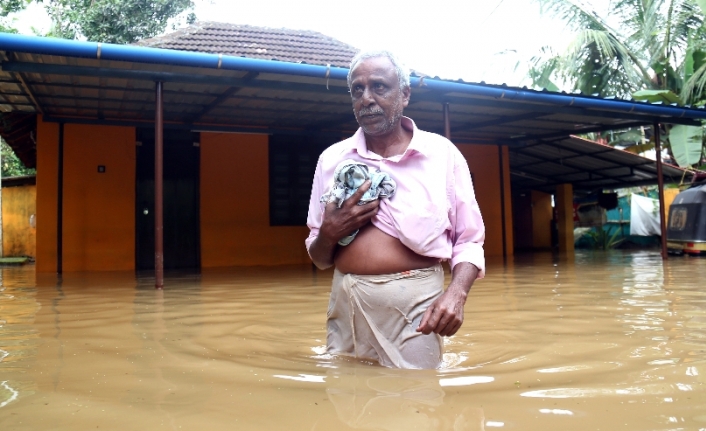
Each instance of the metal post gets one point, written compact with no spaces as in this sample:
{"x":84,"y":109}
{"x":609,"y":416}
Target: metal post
{"x":60,"y":205}
{"x":660,"y":185}
{"x":158,"y":190}
{"x":447,"y":122}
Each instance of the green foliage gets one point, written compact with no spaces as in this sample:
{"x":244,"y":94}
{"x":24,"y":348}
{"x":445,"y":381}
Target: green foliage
{"x":657,"y":96}
{"x":114,"y":21}
{"x":660,"y":45}
{"x":11,"y":6}
{"x":658,"y":55}
{"x":602,"y":239}
{"x":6,"y":8}
{"x":686,"y":144}
{"x":11,"y":165}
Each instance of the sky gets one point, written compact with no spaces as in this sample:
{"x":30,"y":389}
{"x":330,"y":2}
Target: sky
{"x":473,"y":40}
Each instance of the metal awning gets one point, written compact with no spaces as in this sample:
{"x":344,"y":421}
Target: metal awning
{"x":588,"y":165}
{"x":93,"y":83}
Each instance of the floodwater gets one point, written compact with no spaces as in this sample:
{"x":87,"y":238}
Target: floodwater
{"x":597,"y":341}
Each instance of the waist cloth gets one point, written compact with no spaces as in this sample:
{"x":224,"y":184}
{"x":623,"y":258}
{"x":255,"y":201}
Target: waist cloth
{"x":376,"y":317}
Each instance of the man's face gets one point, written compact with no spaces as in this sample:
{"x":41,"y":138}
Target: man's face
{"x":378,"y":101}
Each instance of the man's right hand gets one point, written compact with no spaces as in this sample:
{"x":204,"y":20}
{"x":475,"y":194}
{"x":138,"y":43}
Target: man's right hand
{"x":340,"y":222}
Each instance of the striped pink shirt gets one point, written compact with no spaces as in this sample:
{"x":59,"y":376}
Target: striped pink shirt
{"x":434,"y":210}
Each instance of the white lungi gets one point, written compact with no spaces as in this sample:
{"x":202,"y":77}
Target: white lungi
{"x":376,"y":317}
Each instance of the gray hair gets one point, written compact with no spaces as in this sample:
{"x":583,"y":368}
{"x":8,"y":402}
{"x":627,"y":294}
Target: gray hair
{"x":400,"y":68}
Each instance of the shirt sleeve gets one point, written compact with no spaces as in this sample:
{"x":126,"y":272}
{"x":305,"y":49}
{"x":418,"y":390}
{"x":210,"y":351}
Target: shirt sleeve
{"x":315,"y":216}
{"x":468,"y":228}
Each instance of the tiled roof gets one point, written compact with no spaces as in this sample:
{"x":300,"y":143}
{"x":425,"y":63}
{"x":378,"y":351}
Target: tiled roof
{"x":297,"y":46}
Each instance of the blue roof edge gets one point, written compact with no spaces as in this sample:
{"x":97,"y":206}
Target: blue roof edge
{"x":141,"y":54}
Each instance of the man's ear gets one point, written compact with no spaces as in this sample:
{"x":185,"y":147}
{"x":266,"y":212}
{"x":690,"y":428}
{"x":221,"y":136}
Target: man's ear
{"x":406,"y":93}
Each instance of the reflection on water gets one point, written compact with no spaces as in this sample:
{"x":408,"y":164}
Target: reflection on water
{"x":593,"y":341}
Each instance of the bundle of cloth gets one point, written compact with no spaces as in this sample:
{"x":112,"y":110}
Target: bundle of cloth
{"x":348,"y":177}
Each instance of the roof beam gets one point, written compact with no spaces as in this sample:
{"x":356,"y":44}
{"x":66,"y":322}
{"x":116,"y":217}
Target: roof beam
{"x":578,"y":169}
{"x":223,"y":97}
{"x":567,"y":133}
{"x":575,"y":156}
{"x":147,"y":75}
{"x":194,"y":127}
{"x":585,"y":185}
{"x":599,"y":157}
{"x":547,"y":109}
{"x":26,"y":87}
{"x":499,"y":121}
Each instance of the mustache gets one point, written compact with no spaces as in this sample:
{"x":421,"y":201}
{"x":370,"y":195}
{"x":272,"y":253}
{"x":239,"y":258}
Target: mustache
{"x":370,"y":111}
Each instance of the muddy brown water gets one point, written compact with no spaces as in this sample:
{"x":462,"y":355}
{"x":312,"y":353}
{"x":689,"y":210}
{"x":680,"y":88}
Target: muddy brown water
{"x":597,"y":341}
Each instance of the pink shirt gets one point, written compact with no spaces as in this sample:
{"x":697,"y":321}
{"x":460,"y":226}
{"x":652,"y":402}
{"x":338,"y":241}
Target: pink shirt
{"x":434,"y":210}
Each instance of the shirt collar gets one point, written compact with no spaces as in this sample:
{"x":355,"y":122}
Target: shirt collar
{"x":416,"y":145}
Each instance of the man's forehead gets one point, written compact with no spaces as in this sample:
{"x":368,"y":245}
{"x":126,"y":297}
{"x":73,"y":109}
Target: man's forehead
{"x":374,"y":66}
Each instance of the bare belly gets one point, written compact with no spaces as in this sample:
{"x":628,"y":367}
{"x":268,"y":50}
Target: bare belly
{"x":375,"y":252}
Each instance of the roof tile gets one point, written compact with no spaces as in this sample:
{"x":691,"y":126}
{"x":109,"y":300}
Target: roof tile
{"x":296,"y":46}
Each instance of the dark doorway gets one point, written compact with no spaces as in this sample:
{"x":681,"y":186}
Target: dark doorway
{"x":181,"y":200}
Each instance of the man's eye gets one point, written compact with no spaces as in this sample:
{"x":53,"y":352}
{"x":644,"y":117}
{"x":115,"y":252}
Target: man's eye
{"x":379,"y":86}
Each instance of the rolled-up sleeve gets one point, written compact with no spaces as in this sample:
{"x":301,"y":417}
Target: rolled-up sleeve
{"x":315,"y":215}
{"x":468,"y":228}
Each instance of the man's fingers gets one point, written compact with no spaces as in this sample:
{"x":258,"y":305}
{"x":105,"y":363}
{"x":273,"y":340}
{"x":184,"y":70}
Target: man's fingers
{"x":430,"y":321}
{"x":423,"y":325}
{"x":454,"y":329}
{"x":445,"y":325}
{"x":355,"y":197}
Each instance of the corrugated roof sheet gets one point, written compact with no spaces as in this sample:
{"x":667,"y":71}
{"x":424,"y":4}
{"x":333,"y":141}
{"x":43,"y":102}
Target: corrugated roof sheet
{"x":588,"y":165}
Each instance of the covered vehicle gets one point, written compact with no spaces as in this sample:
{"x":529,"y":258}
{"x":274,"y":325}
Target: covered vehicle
{"x":686,"y":231}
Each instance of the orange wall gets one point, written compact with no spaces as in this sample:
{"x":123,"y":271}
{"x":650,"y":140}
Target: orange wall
{"x":483,"y":161}
{"x":541,"y":219}
{"x":18,"y":206}
{"x":669,"y":195}
{"x":99,"y":220}
{"x":522,"y":221}
{"x":99,"y":208}
{"x":235,"y":213}
{"x":47,"y":150}
{"x":98,"y":217}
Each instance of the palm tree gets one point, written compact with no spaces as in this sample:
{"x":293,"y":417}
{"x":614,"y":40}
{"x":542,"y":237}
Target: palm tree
{"x":656,"y":53}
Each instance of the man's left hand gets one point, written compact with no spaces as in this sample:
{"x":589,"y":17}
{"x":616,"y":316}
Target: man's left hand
{"x":445,"y":315}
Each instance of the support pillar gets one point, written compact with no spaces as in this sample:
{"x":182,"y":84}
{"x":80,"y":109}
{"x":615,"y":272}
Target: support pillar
{"x":564,"y":202}
{"x":660,"y":188}
{"x":60,"y":205}
{"x":158,"y":190}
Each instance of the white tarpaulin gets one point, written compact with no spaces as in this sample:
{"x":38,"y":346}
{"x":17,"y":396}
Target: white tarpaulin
{"x":644,"y":216}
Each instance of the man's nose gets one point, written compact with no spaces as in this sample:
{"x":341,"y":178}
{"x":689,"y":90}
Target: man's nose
{"x":368,"y":97}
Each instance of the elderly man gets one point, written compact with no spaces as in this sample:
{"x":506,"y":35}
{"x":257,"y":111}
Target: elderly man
{"x":388,"y":302}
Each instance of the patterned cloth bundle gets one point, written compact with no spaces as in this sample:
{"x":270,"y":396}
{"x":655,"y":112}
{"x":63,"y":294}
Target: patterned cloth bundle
{"x":348,"y":176}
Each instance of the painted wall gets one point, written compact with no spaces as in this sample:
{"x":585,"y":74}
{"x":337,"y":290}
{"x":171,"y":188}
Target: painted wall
{"x":541,"y":220}
{"x":484,"y":163}
{"x":47,"y":168}
{"x":99,"y":220}
{"x":235,"y":213}
{"x":99,"y":208}
{"x":522,"y":220}
{"x":19,"y":237}
{"x":98,"y":216}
